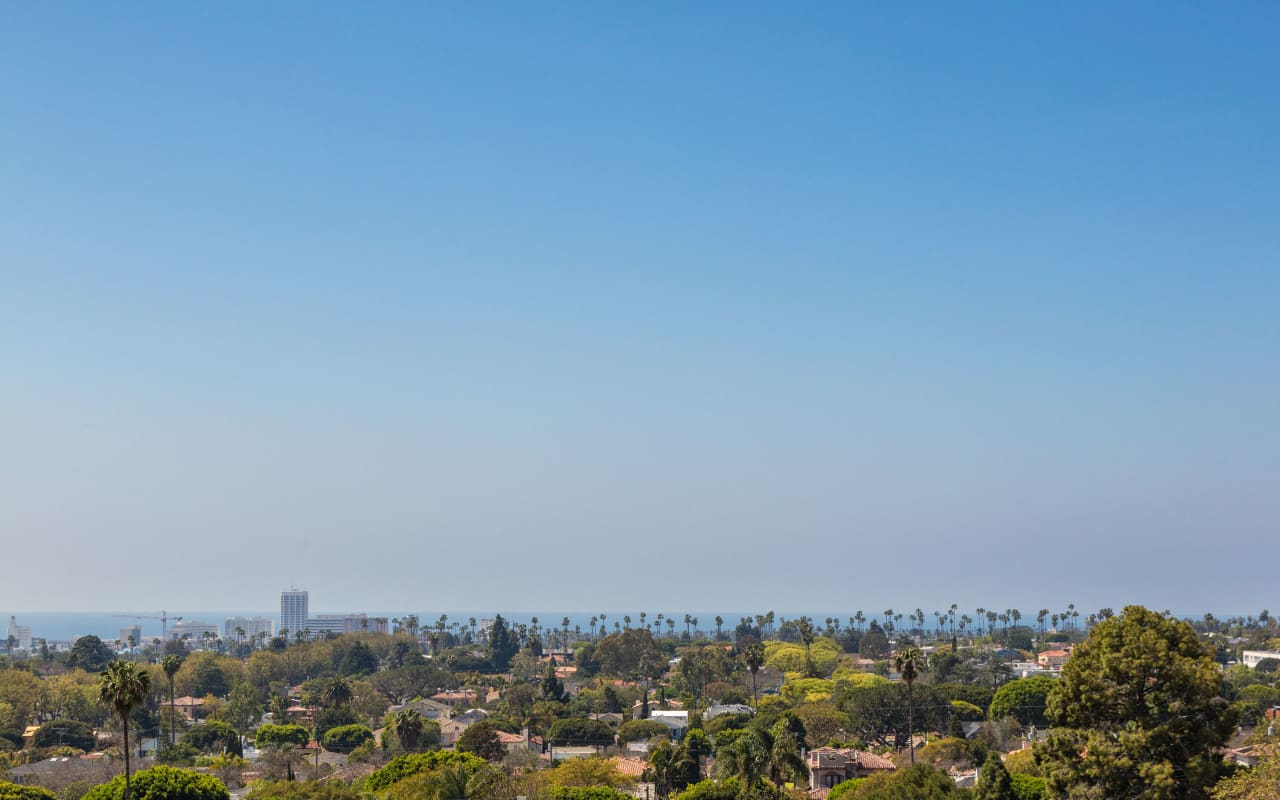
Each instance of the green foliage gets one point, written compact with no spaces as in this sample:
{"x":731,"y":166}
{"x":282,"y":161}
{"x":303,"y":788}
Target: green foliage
{"x":586,"y":793}
{"x":879,"y":713}
{"x":728,"y":789}
{"x":181,"y":754}
{"x":213,"y":738}
{"x":162,"y":783}
{"x":503,"y":644}
{"x":335,"y":717}
{"x":403,"y":767}
{"x":1140,"y":712}
{"x":89,"y":654}
{"x":359,"y":660}
{"x":631,"y":654}
{"x":787,"y":657}
{"x":994,"y":782}
{"x":345,"y":738}
{"x":918,"y":782}
{"x":302,"y":790}
{"x":979,"y":696}
{"x":65,"y":733}
{"x":281,"y":736}
{"x":640,"y":730}
{"x":1028,"y":787}
{"x":580,"y":731}
{"x":13,"y":791}
{"x":481,"y":739}
{"x":967,"y":712}
{"x":1267,"y":665}
{"x":1024,"y":699}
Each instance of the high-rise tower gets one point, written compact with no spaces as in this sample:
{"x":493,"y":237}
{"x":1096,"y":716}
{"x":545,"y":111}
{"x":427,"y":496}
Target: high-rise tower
{"x":293,"y":611}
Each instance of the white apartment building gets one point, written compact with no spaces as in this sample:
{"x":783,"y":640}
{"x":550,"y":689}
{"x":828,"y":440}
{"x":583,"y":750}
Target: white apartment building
{"x":194,"y":628}
{"x":252,"y":626}
{"x":293,"y":611}
{"x":1250,"y":658}
{"x":20,"y":633}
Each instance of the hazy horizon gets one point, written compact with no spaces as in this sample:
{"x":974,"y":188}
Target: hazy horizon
{"x":590,"y":305}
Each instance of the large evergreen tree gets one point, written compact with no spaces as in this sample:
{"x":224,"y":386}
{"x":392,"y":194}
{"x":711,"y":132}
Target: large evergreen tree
{"x":1140,"y":714}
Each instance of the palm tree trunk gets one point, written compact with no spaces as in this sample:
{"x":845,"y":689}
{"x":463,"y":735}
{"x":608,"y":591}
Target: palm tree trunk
{"x":173,"y":719}
{"x":910,"y":723}
{"x":125,"y":722}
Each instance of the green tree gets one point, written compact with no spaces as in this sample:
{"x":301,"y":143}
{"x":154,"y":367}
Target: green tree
{"x":163,"y":783}
{"x":753,"y":657}
{"x":1260,"y":783}
{"x":281,"y":736}
{"x":171,"y":664}
{"x":65,"y":733}
{"x":214,"y":738}
{"x":408,"y":726}
{"x":909,"y":663}
{"x":1024,"y":699}
{"x":1140,"y":713}
{"x":345,"y":738}
{"x":481,"y":739}
{"x":122,"y":688}
{"x":994,"y":782}
{"x":917,"y":782}
{"x":89,"y":654}
{"x":578,"y":731}
{"x":13,"y":791}
{"x":503,"y":644}
{"x":337,"y":692}
{"x":402,"y":767}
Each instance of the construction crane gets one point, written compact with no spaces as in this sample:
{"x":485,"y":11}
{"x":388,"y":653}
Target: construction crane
{"x":164,"y":622}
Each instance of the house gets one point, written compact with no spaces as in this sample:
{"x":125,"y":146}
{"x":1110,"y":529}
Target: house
{"x":67,"y":769}
{"x":732,"y":708}
{"x":515,"y":742}
{"x":829,"y":766}
{"x":429,"y":709}
{"x":563,"y":753}
{"x":472,"y":716}
{"x":450,"y":730}
{"x":455,"y":697}
{"x":189,"y":707}
{"x":1053,"y":659}
{"x":677,"y":721}
{"x":610,"y":718}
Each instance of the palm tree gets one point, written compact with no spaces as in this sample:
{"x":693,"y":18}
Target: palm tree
{"x":909,"y":662}
{"x":337,"y":692}
{"x":408,"y":726}
{"x":171,"y":664}
{"x":122,"y":687}
{"x":753,"y":657}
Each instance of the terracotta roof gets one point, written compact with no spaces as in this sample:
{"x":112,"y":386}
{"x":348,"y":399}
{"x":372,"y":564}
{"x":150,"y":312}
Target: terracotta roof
{"x":631,"y":767}
{"x":509,"y":738}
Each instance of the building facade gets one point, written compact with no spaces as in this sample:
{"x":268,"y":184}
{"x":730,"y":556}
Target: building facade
{"x":252,"y":626}
{"x":20,"y":633}
{"x":293,"y":611}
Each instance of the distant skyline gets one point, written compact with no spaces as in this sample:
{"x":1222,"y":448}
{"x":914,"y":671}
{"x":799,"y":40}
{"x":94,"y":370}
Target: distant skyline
{"x":589,"y":306}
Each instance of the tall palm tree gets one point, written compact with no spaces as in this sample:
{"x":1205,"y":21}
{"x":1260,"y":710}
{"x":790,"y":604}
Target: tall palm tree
{"x":337,"y":692}
{"x":171,"y":664}
{"x":753,"y":657}
{"x":408,"y":726}
{"x":122,"y":687}
{"x":909,"y":662}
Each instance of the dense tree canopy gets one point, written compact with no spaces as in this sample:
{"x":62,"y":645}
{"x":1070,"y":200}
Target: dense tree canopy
{"x":163,"y":783}
{"x":1140,"y":711}
{"x":1024,"y":699}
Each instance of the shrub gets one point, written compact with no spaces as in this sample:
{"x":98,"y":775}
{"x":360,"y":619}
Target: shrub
{"x":162,"y":783}
{"x":403,"y":767}
{"x":345,"y":738}
{"x":281,"y":735}
{"x":12,"y":791}
{"x":586,"y":793}
{"x":1028,"y":787}
{"x":65,"y":733}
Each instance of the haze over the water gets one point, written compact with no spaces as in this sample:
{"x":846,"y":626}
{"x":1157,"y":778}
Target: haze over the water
{"x":597,"y":306}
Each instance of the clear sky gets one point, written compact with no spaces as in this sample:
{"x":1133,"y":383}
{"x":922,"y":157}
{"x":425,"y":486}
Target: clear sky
{"x":602,"y":306}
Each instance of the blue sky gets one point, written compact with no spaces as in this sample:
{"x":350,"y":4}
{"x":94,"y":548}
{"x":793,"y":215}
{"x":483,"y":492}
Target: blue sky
{"x":522,"y":306}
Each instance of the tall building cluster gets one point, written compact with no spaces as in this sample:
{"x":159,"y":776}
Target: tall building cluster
{"x":295,"y":617}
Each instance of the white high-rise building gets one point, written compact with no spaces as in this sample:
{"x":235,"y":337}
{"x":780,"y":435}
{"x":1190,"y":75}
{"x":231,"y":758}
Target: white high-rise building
{"x":293,"y":611}
{"x":21,"y":633}
{"x":251,"y":626}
